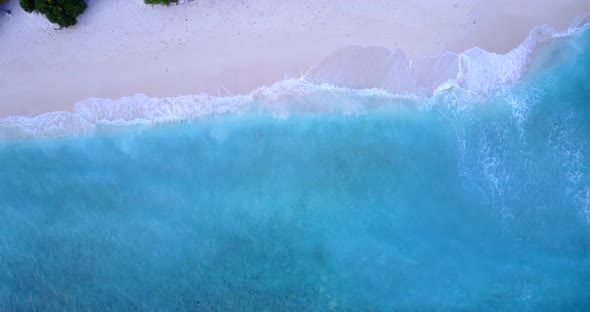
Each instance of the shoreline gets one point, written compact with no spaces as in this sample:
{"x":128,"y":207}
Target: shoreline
{"x":301,"y":95}
{"x":231,"y":49}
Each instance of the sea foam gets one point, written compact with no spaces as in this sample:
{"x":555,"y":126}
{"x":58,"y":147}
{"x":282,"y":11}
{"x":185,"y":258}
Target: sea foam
{"x":350,"y":73}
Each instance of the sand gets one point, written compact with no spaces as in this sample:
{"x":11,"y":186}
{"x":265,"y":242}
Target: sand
{"x":123,"y":47}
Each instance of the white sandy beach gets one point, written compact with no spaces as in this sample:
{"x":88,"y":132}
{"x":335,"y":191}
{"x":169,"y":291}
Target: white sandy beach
{"x":123,"y":47}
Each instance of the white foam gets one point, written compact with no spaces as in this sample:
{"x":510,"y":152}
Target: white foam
{"x":481,"y":71}
{"x":334,"y":86}
{"x":475,"y":69}
{"x":280,"y":99}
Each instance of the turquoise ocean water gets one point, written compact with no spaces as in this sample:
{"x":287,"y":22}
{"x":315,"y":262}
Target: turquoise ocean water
{"x":334,"y":200}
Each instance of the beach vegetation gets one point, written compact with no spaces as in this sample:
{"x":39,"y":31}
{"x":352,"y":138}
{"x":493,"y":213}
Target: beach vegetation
{"x":61,"y":12}
{"x":166,"y":2}
{"x":28,"y":5}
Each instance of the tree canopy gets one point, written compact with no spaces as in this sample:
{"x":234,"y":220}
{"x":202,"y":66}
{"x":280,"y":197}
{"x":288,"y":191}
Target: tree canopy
{"x":61,"y":12}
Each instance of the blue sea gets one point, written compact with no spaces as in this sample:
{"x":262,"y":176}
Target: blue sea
{"x":314,"y":194}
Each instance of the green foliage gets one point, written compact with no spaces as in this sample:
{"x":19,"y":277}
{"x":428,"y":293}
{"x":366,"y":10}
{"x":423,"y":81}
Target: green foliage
{"x":61,"y":12}
{"x":28,"y":5}
{"x":166,"y":2}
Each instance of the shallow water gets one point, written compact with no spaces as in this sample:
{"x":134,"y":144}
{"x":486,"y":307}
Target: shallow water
{"x":460,"y":201}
